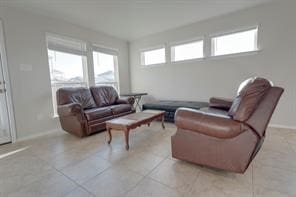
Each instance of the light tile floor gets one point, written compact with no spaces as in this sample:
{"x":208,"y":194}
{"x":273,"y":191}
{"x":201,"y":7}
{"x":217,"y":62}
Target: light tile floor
{"x":63,"y":165}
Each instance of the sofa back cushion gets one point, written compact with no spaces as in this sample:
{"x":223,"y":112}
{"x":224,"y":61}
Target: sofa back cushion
{"x":263,"y":112}
{"x":248,"y":98}
{"x":104,"y":95}
{"x":79,"y":95}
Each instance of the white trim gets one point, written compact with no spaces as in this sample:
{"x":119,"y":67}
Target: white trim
{"x":153,"y":65}
{"x":7,"y":86}
{"x":229,"y":33}
{"x":53,"y":131}
{"x":142,"y":57}
{"x":63,"y":49}
{"x":104,"y":49}
{"x":282,"y":126}
{"x":189,"y":60}
{"x":190,"y":41}
{"x":233,"y":55}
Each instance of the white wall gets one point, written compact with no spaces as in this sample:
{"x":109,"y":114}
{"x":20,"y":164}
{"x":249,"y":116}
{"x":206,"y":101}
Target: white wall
{"x":25,"y":44}
{"x":200,"y":80}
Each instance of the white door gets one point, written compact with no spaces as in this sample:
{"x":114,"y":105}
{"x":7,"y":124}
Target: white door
{"x":5,"y":134}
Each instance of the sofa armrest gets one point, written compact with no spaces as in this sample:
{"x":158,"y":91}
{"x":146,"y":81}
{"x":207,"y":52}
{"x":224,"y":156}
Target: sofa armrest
{"x":222,"y":103}
{"x":126,"y":100}
{"x":71,"y":109}
{"x":219,"y":126}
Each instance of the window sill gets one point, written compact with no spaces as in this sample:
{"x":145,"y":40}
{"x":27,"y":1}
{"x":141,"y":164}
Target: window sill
{"x":153,"y":65}
{"x":234,"y":55}
{"x":188,"y":61}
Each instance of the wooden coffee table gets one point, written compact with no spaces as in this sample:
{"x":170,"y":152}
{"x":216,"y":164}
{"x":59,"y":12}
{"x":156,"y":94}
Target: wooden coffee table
{"x":132,"y":121}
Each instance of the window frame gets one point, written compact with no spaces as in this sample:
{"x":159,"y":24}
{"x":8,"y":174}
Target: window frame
{"x":108,"y":51}
{"x":184,"y":42}
{"x":52,"y":45}
{"x":225,"y":33}
{"x":142,"y":56}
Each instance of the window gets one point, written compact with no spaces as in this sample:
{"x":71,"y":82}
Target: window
{"x":155,"y":56}
{"x":67,"y":64}
{"x":106,"y":69}
{"x":244,"y":41}
{"x":193,"y":50}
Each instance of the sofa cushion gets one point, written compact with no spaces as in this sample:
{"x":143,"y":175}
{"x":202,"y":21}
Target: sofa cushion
{"x":104,"y":95}
{"x":122,"y":108}
{"x":79,"y":95}
{"x":248,"y":99}
{"x":97,"y":113}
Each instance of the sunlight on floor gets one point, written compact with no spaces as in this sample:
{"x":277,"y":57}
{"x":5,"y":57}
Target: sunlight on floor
{"x":12,"y":152}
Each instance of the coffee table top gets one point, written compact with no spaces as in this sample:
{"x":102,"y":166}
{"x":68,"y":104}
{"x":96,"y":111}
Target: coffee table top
{"x":135,"y":118}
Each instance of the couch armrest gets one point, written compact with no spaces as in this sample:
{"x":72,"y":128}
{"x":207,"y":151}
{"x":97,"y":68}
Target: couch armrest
{"x":219,"y":126}
{"x":222,"y":103}
{"x":126,"y":100}
{"x":71,"y":109}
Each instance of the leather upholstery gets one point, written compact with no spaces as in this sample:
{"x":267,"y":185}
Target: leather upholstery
{"x":126,"y":100}
{"x":248,"y":99}
{"x":79,"y":114}
{"x":215,"y":125}
{"x":121,"y":108}
{"x":104,"y":95}
{"x":76,"y":95}
{"x":97,"y":113}
{"x":227,"y":139}
{"x":222,"y":103}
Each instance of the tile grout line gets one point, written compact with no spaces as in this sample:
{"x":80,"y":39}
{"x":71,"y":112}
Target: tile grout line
{"x":126,"y":193}
{"x":195,"y":179}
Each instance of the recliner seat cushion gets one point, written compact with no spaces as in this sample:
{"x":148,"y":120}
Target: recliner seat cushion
{"x":104,"y":95}
{"x":122,"y":108}
{"x":79,"y":95}
{"x":97,"y":113}
{"x":248,"y":99}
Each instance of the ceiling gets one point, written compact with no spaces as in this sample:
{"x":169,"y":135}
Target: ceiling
{"x":131,"y":19}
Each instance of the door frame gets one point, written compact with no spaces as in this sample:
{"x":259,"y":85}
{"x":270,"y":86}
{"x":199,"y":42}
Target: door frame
{"x":7,"y":85}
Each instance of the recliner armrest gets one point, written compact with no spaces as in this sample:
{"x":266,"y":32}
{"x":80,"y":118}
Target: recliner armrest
{"x":220,"y":126}
{"x":222,"y":103}
{"x":126,"y":100}
{"x":70,"y":109}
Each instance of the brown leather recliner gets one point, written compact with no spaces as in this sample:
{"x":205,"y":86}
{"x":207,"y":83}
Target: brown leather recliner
{"x":83,"y":111}
{"x":229,"y":133}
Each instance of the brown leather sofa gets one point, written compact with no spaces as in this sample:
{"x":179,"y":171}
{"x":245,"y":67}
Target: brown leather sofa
{"x":229,"y":133}
{"x":83,"y":111}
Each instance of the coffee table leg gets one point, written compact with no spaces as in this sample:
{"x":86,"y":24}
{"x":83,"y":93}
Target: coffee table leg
{"x":110,"y":135}
{"x":162,"y":122}
{"x":126,"y":135}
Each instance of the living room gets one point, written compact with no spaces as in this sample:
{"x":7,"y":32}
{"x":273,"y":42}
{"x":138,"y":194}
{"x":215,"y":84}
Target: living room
{"x":158,"y":98}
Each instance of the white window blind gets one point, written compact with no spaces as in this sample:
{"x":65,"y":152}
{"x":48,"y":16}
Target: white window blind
{"x":66,"y":45}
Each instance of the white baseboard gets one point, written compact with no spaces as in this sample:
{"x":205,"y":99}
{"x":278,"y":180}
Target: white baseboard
{"x":282,"y":126}
{"x":37,"y":135}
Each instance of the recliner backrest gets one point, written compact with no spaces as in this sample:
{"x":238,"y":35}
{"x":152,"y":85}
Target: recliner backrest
{"x":79,"y":95}
{"x":104,"y":95}
{"x":249,"y":98}
{"x":262,"y":114}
